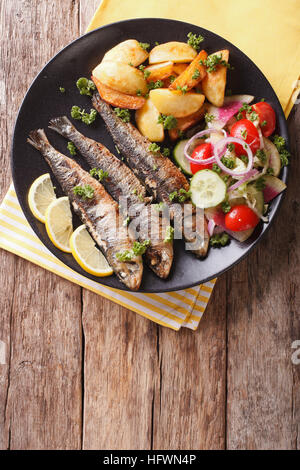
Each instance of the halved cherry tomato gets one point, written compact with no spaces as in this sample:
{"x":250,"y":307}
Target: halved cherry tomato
{"x":266,"y":116}
{"x":241,"y":218}
{"x":201,"y":152}
{"x":245,"y":130}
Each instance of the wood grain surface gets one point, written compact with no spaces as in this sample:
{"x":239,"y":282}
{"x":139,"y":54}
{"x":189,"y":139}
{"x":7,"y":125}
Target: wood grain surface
{"x":83,"y":372}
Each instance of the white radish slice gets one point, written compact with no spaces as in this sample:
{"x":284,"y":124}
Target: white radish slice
{"x":274,"y":157}
{"x":231,"y":106}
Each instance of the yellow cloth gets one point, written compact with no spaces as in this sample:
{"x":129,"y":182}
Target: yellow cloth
{"x":267,"y":31}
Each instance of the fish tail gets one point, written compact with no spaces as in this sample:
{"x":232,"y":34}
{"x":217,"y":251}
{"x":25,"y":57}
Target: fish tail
{"x":38,"y":139}
{"x":61,"y":125}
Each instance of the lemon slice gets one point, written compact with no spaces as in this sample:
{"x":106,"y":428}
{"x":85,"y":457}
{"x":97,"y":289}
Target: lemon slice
{"x":87,"y":255}
{"x":59,"y":223}
{"x":41,"y":194}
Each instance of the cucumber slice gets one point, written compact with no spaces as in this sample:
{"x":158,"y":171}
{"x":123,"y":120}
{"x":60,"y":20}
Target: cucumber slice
{"x":207,"y":189}
{"x":257,"y":197}
{"x":180,"y":158}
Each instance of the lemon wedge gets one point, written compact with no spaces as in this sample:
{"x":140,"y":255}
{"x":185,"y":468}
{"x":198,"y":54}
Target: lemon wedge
{"x":59,"y":223}
{"x":40,"y":195}
{"x":87,"y":255}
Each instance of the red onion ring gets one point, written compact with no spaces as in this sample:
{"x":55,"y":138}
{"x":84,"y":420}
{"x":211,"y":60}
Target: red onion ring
{"x":201,"y":134}
{"x":211,"y":226}
{"x":222,"y":143}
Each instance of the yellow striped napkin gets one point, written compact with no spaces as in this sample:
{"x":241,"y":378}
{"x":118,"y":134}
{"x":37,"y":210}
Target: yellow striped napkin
{"x":273,"y":32}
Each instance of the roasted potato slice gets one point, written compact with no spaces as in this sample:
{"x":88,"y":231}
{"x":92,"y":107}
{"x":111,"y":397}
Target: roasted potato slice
{"x":179,"y":68}
{"x":146,"y":120}
{"x":121,"y":77}
{"x":118,"y":99}
{"x":192,"y":75}
{"x":128,"y":52}
{"x":159,"y":71}
{"x":174,"y":103}
{"x":214,"y":83}
{"x":186,"y":122}
{"x":172,"y":51}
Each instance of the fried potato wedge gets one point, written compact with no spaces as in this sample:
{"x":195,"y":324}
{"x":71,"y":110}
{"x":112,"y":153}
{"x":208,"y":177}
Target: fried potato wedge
{"x":174,"y":103}
{"x":121,"y":77}
{"x":146,"y":120}
{"x":172,"y":51}
{"x":128,"y":52}
{"x":187,"y":122}
{"x":192,"y":75}
{"x":214,"y":83}
{"x":159,"y":71}
{"x":179,"y":68}
{"x":118,"y":99}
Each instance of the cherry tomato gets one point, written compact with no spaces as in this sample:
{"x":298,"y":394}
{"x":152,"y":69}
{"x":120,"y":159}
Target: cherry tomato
{"x":245,"y":130}
{"x":201,"y":152}
{"x":266,"y":116}
{"x":241,"y":218}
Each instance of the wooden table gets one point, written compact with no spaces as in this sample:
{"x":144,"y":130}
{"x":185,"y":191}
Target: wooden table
{"x":83,"y":372}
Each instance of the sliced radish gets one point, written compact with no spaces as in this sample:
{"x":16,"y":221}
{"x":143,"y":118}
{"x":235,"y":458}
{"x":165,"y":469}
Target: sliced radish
{"x":231,"y":106}
{"x":274,"y":157}
{"x":274,"y":186}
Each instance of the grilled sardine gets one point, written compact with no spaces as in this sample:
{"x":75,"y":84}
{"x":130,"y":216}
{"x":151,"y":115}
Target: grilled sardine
{"x":121,"y":182}
{"x":99,"y":213}
{"x":158,"y":173}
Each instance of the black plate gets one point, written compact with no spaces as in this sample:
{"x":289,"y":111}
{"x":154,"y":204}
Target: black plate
{"x":44,"y":101}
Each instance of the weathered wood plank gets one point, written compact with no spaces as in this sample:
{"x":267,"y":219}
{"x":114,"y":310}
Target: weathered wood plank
{"x":263,"y":321}
{"x":120,"y":362}
{"x":119,"y":375}
{"x":189,"y":407}
{"x":40,"y":397}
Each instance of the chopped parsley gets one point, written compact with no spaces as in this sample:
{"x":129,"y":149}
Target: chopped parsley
{"x":280,"y":144}
{"x":81,"y":115}
{"x":62,"y":89}
{"x":194,"y":41}
{"x":144,"y":45}
{"x":137,"y":250}
{"x":228,"y":162}
{"x":196,"y":75}
{"x":159,"y":207}
{"x":260,"y":183}
{"x":264,"y":123}
{"x":246,"y":108}
{"x":216,"y":168}
{"x":172,"y":78}
{"x":226,"y":207}
{"x":166,"y":152}
{"x":209,"y":118}
{"x":85,"y":192}
{"x":126,"y":221}
{"x":213,"y":61}
{"x":220,"y":239}
{"x":181,"y":196}
{"x":85,"y":86}
{"x":123,"y":114}
{"x":154,"y":148}
{"x":156,"y":43}
{"x":244,"y":134}
{"x":169,"y":122}
{"x":261,"y":155}
{"x":231,"y":147}
{"x":99,"y":173}
{"x":270,"y":171}
{"x":139,"y":93}
{"x":169,"y":235}
{"x":183,"y":89}
{"x":154,"y":85}
{"x":71,"y":147}
{"x":244,"y":159}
